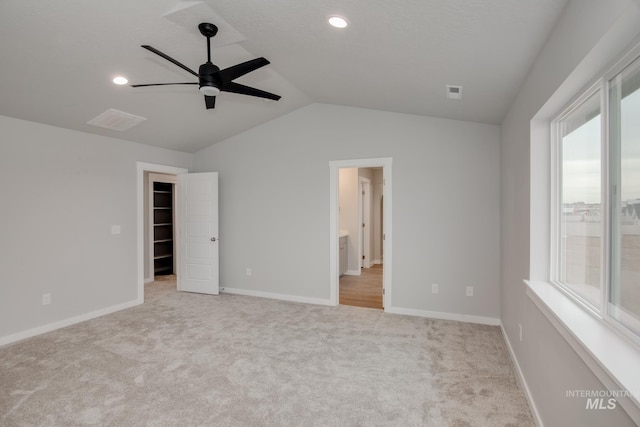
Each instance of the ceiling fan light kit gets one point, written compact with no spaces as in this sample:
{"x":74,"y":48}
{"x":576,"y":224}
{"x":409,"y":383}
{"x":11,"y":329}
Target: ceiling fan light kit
{"x":211,"y":79}
{"x":209,"y":90}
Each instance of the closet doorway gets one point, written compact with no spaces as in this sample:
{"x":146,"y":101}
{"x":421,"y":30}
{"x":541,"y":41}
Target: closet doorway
{"x":161,"y":225}
{"x":144,"y":230}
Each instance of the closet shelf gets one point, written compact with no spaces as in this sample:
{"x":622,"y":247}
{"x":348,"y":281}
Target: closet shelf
{"x":163,"y":233}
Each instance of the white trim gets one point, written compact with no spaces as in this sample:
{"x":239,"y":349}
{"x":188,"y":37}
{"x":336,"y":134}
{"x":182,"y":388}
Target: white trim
{"x":352,"y":273}
{"x":147,"y":280}
{"x":8,"y":339}
{"x":393,"y":310}
{"x":521,"y":380}
{"x":271,"y":295}
{"x":334,"y":253}
{"x":467,"y":318}
{"x":141,"y":168}
{"x":610,"y":356}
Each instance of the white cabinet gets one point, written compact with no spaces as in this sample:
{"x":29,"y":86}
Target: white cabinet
{"x":343,"y":255}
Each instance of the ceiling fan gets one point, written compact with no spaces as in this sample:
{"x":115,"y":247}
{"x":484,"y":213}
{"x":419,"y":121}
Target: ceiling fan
{"x":211,"y":79}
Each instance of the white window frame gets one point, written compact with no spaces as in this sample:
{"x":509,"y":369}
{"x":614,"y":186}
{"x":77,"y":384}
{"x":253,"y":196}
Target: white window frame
{"x":601,"y":86}
{"x":556,"y":202}
{"x":634,"y":335}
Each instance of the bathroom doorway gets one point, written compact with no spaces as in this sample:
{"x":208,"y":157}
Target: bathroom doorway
{"x":360,"y":195}
{"x":360,"y":220}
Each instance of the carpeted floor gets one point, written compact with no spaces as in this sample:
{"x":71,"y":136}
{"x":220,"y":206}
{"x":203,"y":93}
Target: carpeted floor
{"x":186,"y":359}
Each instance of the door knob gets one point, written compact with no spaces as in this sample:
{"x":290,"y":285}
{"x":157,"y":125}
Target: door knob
{"x":213,"y":239}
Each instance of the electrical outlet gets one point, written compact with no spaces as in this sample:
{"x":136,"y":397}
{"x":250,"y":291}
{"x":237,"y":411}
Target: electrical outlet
{"x":46,"y":299}
{"x":520,"y":326}
{"x":248,"y":272}
{"x":434,"y":288}
{"x":469,"y":291}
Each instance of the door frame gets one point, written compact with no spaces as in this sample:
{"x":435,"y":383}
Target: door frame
{"x":334,"y":250}
{"x":141,"y":168}
{"x":364,"y":208}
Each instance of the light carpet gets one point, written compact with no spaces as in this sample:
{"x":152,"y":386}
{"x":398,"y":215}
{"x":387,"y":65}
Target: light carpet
{"x":185,"y":359}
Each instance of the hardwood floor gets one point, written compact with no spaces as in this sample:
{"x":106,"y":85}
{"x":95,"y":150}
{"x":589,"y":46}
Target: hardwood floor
{"x":364,"y":290}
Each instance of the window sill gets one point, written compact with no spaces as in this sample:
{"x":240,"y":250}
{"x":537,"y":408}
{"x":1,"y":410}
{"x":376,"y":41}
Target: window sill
{"x":611,"y":357}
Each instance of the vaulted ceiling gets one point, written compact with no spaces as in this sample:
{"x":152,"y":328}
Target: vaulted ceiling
{"x":58,"y":59}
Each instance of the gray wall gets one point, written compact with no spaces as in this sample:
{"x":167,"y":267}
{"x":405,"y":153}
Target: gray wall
{"x":60,"y":192}
{"x":567,"y":62}
{"x":274,"y":199}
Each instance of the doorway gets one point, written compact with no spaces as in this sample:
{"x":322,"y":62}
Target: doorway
{"x":196,"y":237}
{"x":161,"y":226}
{"x":360,"y":281}
{"x":144,"y":236}
{"x":358,"y":276}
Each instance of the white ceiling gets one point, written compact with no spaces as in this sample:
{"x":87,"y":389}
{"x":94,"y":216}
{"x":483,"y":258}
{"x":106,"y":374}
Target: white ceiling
{"x":58,"y":59}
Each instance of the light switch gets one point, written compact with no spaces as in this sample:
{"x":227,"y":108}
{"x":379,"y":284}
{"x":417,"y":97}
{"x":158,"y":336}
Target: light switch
{"x":115,"y":229}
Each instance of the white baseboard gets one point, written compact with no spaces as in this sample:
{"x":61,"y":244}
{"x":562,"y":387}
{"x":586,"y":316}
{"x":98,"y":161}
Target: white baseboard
{"x":444,"y":316}
{"x":352,"y":273}
{"x":148,"y":280}
{"x":283,"y":297}
{"x":521,"y":380}
{"x":8,"y":339}
{"x":376,"y":261}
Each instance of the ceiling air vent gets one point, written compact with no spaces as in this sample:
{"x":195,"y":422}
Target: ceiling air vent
{"x":454,"y":92}
{"x":116,"y":120}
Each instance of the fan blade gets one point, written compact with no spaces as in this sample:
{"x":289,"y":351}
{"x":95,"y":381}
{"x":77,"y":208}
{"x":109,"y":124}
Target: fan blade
{"x":170,"y":59}
{"x":236,"y":71}
{"x":210,"y":102}
{"x":164,"y":84}
{"x":246,"y":90}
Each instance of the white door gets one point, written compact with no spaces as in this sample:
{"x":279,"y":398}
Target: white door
{"x":198,"y":228}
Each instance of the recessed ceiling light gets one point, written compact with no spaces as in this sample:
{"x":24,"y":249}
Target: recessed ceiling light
{"x":119,"y":80}
{"x":338,"y":21}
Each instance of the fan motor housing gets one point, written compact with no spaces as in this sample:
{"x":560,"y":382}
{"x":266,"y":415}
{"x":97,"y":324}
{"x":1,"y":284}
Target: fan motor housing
{"x":208,"y":75}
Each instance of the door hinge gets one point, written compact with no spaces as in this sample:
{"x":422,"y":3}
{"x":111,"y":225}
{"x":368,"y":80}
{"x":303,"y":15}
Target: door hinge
{"x":383,"y":291}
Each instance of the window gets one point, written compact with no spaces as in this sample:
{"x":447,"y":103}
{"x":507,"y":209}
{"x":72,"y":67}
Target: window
{"x":624,"y":137}
{"x":580,"y":191}
{"x":596,"y":242}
